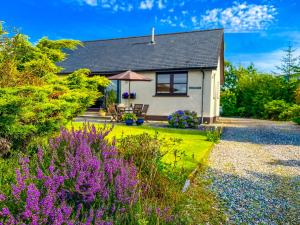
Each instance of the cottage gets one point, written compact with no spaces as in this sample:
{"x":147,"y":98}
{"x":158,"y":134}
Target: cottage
{"x":186,"y":69}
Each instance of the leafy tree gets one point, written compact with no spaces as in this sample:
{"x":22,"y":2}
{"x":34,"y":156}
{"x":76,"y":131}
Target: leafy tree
{"x":231,"y":77}
{"x":34,"y":101}
{"x":289,"y":63}
{"x":248,"y":92}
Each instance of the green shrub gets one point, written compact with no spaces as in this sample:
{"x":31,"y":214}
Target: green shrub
{"x":213,"y":135}
{"x":27,"y":112}
{"x":297,"y":120}
{"x":161,"y":182}
{"x":129,"y":116}
{"x":228,"y":103}
{"x":290,"y":113}
{"x":297,"y":96}
{"x":246,"y":92}
{"x":34,"y":101}
{"x":274,"y":108}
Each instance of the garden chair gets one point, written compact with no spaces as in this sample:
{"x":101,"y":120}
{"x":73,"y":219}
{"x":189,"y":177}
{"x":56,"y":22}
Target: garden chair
{"x":144,"y":112}
{"x":137,"y":109}
{"x":113,"y":112}
{"x":120,"y":111}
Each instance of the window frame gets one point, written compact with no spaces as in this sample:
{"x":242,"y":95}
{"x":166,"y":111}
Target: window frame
{"x":171,"y":83}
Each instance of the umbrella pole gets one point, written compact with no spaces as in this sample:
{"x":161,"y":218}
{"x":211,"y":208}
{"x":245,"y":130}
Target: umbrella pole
{"x":129,"y":95}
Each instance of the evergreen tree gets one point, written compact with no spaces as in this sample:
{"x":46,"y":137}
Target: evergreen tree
{"x":289,"y":63}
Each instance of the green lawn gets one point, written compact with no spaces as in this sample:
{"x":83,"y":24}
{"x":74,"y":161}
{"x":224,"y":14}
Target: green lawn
{"x":193,"y":143}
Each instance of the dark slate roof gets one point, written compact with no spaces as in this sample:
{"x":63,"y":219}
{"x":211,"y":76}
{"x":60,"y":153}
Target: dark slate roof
{"x":196,"y":49}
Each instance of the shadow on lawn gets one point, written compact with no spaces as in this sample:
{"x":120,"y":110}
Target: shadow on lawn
{"x":262,"y":135}
{"x":258,"y":198}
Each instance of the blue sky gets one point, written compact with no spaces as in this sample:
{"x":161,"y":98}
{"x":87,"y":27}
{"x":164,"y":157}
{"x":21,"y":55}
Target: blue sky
{"x":255,"y":31}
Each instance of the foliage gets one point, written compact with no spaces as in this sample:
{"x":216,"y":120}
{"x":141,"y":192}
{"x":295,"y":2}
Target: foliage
{"x":129,"y":116}
{"x":231,"y":77}
{"x":183,"y":119}
{"x":229,"y":103}
{"x":34,"y":101}
{"x":160,"y":181}
{"x":291,"y":113}
{"x":214,"y":135}
{"x":193,"y":144}
{"x":290,"y":64}
{"x":297,"y":96}
{"x":252,"y":91}
{"x":274,"y":108}
{"x":297,"y":120}
{"x":83,"y":180}
{"x":111,"y":97}
{"x":32,"y":111}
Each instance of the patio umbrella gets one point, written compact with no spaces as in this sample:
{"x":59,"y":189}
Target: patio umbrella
{"x":129,"y":76}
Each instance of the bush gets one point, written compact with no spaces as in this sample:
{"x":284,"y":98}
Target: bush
{"x":183,"y":119}
{"x":160,"y":182}
{"x":30,"y":112}
{"x":81,"y":180}
{"x":274,"y":108}
{"x":228,"y":103}
{"x":213,"y":135}
{"x":34,"y":101}
{"x":297,"y":96}
{"x":290,"y":113}
{"x":129,"y":116}
{"x":246,"y":92}
{"x":297,"y":120}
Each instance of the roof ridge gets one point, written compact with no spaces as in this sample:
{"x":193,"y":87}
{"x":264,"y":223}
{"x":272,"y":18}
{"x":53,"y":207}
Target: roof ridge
{"x":166,"y":34}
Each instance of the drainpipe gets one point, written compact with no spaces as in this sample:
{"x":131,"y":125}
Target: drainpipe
{"x":202,"y":97}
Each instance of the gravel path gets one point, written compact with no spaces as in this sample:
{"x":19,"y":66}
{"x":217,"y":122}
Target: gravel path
{"x":255,"y":171}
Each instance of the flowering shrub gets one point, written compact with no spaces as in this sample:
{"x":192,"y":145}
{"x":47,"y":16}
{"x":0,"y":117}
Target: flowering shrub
{"x":84,"y":181}
{"x":125,"y":95}
{"x":183,"y":119}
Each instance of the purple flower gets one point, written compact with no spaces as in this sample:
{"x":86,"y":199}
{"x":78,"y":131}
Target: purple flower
{"x":85,"y":170}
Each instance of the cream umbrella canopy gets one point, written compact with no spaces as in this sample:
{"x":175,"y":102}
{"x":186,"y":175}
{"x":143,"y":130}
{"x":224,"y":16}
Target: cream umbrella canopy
{"x":129,"y":76}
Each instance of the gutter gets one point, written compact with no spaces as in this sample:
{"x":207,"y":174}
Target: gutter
{"x":202,"y":97}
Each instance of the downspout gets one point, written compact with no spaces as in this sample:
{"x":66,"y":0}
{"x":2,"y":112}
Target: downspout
{"x":202,"y":98}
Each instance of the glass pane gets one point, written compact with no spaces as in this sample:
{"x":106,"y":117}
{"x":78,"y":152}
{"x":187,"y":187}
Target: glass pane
{"x":163,"y":88}
{"x":179,"y":88}
{"x":180,"y":78}
{"x":163,"y":78}
{"x":113,"y":85}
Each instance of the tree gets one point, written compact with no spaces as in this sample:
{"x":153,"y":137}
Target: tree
{"x":289,"y":63}
{"x":230,"y":75}
{"x":34,"y":101}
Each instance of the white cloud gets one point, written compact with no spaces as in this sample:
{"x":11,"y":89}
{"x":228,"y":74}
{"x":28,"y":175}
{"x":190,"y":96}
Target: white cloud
{"x":114,"y":5}
{"x":91,"y":2}
{"x":240,"y":17}
{"x":161,"y":4}
{"x":170,"y":20}
{"x":147,"y":4}
{"x":120,"y":5}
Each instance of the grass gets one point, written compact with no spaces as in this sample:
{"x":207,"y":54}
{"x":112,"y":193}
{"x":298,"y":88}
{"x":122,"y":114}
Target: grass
{"x":194,"y":143}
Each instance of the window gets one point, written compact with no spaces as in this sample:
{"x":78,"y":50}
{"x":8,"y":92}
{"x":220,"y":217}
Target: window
{"x":171,"y":83}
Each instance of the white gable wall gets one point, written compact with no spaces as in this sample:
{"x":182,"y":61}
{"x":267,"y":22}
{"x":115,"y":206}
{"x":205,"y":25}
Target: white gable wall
{"x":164,"y":106}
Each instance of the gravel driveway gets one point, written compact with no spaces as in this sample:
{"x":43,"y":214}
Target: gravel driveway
{"x":255,"y":171}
